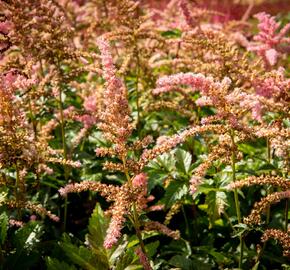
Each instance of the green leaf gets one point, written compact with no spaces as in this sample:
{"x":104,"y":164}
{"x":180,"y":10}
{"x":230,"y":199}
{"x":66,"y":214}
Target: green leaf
{"x":54,"y":264}
{"x":28,"y":236}
{"x":174,"y":192}
{"x":216,"y":202}
{"x":118,"y":252}
{"x":166,"y":161}
{"x":249,"y":149}
{"x":267,"y":168}
{"x":159,"y":169}
{"x":241,"y":229}
{"x":220,"y":258}
{"x":256,"y":266}
{"x":175,"y":33}
{"x":4,"y":227}
{"x":152,"y":248}
{"x":183,"y":160}
{"x":127,"y":261}
{"x":133,"y":267}
{"x":83,"y":257}
{"x":25,"y":241}
{"x":98,"y":224}
{"x":182,"y":262}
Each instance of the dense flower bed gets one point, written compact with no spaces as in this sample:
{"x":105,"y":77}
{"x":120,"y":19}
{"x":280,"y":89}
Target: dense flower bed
{"x":144,"y":134}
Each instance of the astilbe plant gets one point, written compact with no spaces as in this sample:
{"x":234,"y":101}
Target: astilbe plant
{"x":19,"y":148}
{"x":130,"y":199}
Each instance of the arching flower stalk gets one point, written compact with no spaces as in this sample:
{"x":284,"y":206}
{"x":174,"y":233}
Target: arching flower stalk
{"x":124,"y":198}
{"x":282,"y":237}
{"x":259,"y":207}
{"x":261,"y":180}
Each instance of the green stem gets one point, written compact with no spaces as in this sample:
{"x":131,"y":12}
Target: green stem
{"x":137,"y":87}
{"x":17,"y":189}
{"x":268,"y":211}
{"x":2,"y":255}
{"x":32,"y":119}
{"x":241,"y":252}
{"x":286,"y":214}
{"x":34,"y":124}
{"x":229,"y":221}
{"x":186,"y":221}
{"x":261,"y":252}
{"x":135,"y":38}
{"x":135,"y":220}
{"x":137,"y":228}
{"x":238,"y":211}
{"x":236,"y":197}
{"x":62,"y":125}
{"x":64,"y":154}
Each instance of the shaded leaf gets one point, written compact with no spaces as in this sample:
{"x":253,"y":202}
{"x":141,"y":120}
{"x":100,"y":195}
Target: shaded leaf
{"x":4,"y":227}
{"x":54,"y":264}
{"x":174,"y":192}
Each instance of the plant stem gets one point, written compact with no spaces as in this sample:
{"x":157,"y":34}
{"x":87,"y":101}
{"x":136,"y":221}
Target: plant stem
{"x":64,"y":155}
{"x":238,"y":211}
{"x":229,"y":221}
{"x":136,"y":222}
{"x":17,"y":190}
{"x":137,"y":83}
{"x":135,"y":38}
{"x":268,"y":211}
{"x":286,"y":214}
{"x":241,"y":252}
{"x":248,"y":12}
{"x":236,"y":197}
{"x":32,"y":119}
{"x":186,"y":221}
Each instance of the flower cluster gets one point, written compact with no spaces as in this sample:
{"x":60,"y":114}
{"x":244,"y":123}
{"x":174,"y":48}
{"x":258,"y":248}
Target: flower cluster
{"x":269,"y":42}
{"x":259,"y":207}
{"x":282,"y":237}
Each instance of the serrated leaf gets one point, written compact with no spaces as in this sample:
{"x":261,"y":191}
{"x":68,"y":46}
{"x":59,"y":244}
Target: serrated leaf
{"x":120,"y":249}
{"x":183,"y":160}
{"x":248,"y":149}
{"x":25,"y":241}
{"x":4,"y":227}
{"x":166,"y":161}
{"x":256,"y":266}
{"x":54,"y":264}
{"x":98,"y":224}
{"x":133,"y":267}
{"x":28,"y":236}
{"x":174,"y":192}
{"x":127,"y":261}
{"x":159,"y":169}
{"x":182,"y":262}
{"x":216,"y":202}
{"x":152,"y":248}
{"x":267,"y":167}
{"x":83,"y":257}
{"x":219,"y":257}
